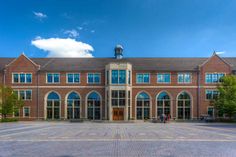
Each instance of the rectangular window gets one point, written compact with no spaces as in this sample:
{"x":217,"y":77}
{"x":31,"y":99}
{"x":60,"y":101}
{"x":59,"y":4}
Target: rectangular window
{"x":22,"y":78}
{"x":212,"y":94}
{"x":163,"y":78}
{"x":142,"y":78}
{"x":118,"y":76}
{"x":24,"y":94}
{"x":94,"y":78}
{"x":184,"y":78}
{"x":108,"y":78}
{"x":53,"y":77}
{"x":210,"y":111}
{"x":118,"y":97}
{"x":73,"y":78}
{"x":129,"y":79}
{"x":26,"y":111}
{"x":213,"y":77}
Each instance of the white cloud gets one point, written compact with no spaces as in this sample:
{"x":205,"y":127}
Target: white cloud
{"x":79,"y":28}
{"x":220,"y":52}
{"x":72,"y":33}
{"x":59,"y":47}
{"x":40,"y":15}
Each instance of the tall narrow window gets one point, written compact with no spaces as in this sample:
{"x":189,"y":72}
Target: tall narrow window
{"x":93,"y":106}
{"x":184,"y":106}
{"x":143,"y":106}
{"x":163,"y":104}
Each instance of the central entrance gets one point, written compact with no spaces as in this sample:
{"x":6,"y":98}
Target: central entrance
{"x":118,"y":113}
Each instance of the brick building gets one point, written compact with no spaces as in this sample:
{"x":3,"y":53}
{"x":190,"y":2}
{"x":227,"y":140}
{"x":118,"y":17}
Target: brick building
{"x":114,"y":88}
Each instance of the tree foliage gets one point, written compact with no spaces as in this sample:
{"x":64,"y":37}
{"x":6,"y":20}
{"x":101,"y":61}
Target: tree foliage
{"x":226,"y":101}
{"x":9,"y":102}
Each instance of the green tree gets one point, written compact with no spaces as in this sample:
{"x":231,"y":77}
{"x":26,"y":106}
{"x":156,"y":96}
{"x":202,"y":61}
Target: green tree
{"x":225,"y":103}
{"x":9,"y":102}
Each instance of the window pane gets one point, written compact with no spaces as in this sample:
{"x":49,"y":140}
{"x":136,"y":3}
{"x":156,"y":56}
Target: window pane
{"x":121,"y":94}
{"x":180,"y":78}
{"x":129,"y":77}
{"x":28,"y":94}
{"x":70,"y":78}
{"x":56,"y":78}
{"x":167,"y":78}
{"x":210,"y":111}
{"x":214,"y":77}
{"x":114,"y":94}
{"x":121,"y":102}
{"x":187,"y":78}
{"x":114,"y":102}
{"x":146,"y":78}
{"x":97,"y":78}
{"x":208,"y":78}
{"x":28,"y":78}
{"x":208,"y":95}
{"x":139,"y":78}
{"x":122,"y":76}
{"x":114,"y":77}
{"x":15,"y":78}
{"x":90,"y":78}
{"x":215,"y":94}
{"x":49,"y":78}
{"x":22,"y":95}
{"x":26,"y":111}
{"x":22,"y":78}
{"x":76,"y":78}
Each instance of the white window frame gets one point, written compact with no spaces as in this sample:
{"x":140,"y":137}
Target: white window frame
{"x":12,"y":78}
{"x":73,"y":78}
{"x":119,"y":77}
{"x":164,"y":82}
{"x":212,"y":74}
{"x":184,"y":73}
{"x":18,"y":94}
{"x":24,"y":112}
{"x":143,"y":78}
{"x":53,"y":78}
{"x":213,"y":110}
{"x":94,"y":78}
{"x":212,"y":90}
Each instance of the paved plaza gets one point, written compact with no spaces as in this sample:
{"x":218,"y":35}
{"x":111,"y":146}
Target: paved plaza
{"x":64,"y":139}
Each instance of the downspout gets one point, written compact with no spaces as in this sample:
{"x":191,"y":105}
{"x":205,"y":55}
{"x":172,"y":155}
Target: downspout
{"x":198,"y":91}
{"x":38,"y":93}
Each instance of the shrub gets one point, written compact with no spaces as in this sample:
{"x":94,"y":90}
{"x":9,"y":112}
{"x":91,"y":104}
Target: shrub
{"x":9,"y":120}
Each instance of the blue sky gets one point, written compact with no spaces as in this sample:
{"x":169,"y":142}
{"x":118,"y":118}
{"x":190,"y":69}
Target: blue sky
{"x":145,"y":28}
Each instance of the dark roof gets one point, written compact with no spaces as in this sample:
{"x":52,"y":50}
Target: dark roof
{"x":75,"y":64}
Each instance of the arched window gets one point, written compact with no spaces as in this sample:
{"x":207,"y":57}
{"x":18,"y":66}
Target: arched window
{"x":73,"y":106}
{"x":53,"y":106}
{"x":94,"y":106}
{"x":163,"y":104}
{"x":143,"y":106}
{"x":184,"y":106}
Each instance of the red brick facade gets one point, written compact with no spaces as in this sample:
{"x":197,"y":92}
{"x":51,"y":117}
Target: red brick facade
{"x":40,"y":89}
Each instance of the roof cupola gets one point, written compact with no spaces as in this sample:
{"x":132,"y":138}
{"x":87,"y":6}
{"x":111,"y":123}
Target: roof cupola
{"x":118,"y":52}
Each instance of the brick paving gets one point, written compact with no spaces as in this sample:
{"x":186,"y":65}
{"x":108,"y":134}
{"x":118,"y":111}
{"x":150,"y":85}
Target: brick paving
{"x":64,"y":139}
